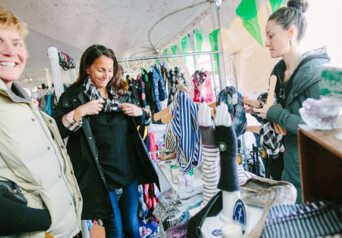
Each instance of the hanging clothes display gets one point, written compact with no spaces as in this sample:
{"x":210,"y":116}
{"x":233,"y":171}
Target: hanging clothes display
{"x":209,"y":92}
{"x":66,"y":61}
{"x":174,"y":77}
{"x":46,"y":99}
{"x":187,"y":131}
{"x":234,"y":101}
{"x":198,"y":78}
{"x":133,"y":86}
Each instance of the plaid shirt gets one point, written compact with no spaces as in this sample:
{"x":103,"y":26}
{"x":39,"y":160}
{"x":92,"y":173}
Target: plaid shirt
{"x":269,"y":139}
{"x":69,"y":122}
{"x":235,"y":108}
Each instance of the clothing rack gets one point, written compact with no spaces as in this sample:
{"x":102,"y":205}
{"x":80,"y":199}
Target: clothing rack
{"x":211,"y":53}
{"x":170,"y":56}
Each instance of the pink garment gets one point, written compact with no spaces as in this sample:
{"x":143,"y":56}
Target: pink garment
{"x":210,"y":96}
{"x":198,"y":78}
{"x":153,"y":146}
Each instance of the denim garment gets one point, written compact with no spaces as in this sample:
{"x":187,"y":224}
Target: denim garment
{"x":125,"y":210}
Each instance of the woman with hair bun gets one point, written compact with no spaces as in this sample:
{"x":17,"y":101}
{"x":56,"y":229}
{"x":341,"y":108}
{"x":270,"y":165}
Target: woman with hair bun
{"x":298,"y":77}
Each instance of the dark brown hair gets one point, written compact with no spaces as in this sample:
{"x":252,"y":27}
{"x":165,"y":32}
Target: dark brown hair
{"x":90,"y":55}
{"x":293,"y":14}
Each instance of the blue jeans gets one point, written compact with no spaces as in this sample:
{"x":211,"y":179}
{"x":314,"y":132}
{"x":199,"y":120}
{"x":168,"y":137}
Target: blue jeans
{"x":125,"y":219}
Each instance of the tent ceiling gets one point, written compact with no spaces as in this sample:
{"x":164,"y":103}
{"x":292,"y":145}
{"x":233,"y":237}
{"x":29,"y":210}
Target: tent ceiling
{"x":131,"y":27}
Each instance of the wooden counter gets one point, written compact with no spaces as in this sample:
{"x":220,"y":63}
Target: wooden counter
{"x":321,"y":164}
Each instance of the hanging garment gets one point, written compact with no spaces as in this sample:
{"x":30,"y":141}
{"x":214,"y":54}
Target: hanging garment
{"x":171,"y":85}
{"x":234,"y":101}
{"x":133,"y":87}
{"x":209,"y":92}
{"x":65,"y":61}
{"x":153,"y":146}
{"x":316,"y":219}
{"x":150,"y":197}
{"x":269,"y":139}
{"x":174,"y":77}
{"x":170,"y":137}
{"x":198,"y":78}
{"x":141,"y":83}
{"x":187,"y":132}
{"x":158,"y":82}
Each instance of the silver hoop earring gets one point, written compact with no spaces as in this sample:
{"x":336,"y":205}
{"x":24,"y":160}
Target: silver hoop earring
{"x":290,"y":43}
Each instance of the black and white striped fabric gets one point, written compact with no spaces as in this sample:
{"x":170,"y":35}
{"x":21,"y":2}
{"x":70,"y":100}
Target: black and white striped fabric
{"x":170,"y":137}
{"x":210,"y":173}
{"x":186,"y":129}
{"x":316,"y":219}
{"x":243,"y":175}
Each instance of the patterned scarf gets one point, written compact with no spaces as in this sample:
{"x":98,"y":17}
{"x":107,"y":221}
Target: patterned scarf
{"x":110,"y":105}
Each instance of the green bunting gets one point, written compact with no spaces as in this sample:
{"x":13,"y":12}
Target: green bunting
{"x":275,"y":4}
{"x":165,"y":53}
{"x":186,"y":45}
{"x":198,"y":40}
{"x":213,"y":38}
{"x":175,"y":50}
{"x":248,"y":12}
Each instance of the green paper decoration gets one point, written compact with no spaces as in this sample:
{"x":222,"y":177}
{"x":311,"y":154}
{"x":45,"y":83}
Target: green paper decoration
{"x":275,"y":4}
{"x":248,"y":12}
{"x":175,"y":50}
{"x":186,"y":46}
{"x":165,"y":53}
{"x":213,"y":38}
{"x":198,"y":40}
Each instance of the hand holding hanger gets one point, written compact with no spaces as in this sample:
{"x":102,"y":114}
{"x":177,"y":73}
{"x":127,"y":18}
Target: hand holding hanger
{"x":262,"y":112}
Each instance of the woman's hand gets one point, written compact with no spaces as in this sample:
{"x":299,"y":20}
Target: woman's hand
{"x":262,"y":112}
{"x":131,"y":110}
{"x":92,"y":107}
{"x":248,"y":108}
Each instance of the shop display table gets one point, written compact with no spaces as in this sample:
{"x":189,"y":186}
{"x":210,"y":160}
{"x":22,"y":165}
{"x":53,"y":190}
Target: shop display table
{"x":165,"y":177}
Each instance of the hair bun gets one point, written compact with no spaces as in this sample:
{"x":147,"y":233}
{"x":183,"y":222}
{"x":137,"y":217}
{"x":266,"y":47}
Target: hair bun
{"x":300,"y":5}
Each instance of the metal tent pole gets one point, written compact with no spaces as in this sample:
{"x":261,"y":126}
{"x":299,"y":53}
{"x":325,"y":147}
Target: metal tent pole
{"x":217,"y":24}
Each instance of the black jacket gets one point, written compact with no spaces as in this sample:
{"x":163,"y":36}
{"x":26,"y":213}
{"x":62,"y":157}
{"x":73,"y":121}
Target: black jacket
{"x":84,"y":157}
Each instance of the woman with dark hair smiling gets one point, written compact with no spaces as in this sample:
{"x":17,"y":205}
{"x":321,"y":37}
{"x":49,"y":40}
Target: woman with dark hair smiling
{"x":107,"y":152}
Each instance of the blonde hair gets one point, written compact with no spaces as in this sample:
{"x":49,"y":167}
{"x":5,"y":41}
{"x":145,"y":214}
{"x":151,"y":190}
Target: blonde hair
{"x":8,"y":19}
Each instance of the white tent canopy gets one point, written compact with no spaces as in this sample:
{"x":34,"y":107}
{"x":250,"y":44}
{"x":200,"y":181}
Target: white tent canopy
{"x":135,"y":28}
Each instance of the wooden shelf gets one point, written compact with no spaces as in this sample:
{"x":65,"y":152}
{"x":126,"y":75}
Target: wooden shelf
{"x":321,"y":164}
